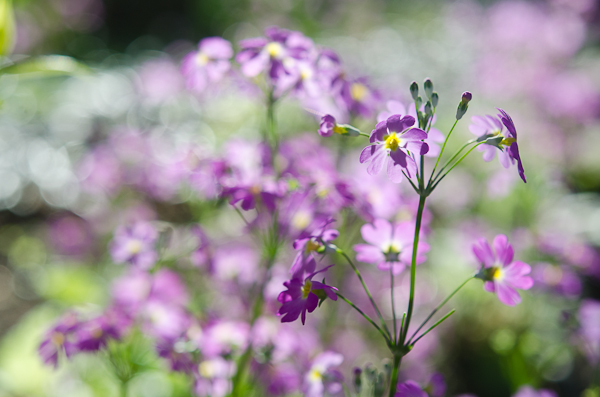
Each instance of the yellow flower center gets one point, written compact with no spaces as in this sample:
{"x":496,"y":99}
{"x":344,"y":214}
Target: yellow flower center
{"x":301,"y":219}
{"x":358,"y":91}
{"x":206,"y":369}
{"x":306,"y":289}
{"x":96,"y":333}
{"x":339,"y":130}
{"x":274,"y":49}
{"x":202,"y":59}
{"x":312,"y":245}
{"x":392,"y":142}
{"x":508,"y":141}
{"x":315,"y":376}
{"x":134,"y":246}
{"x":58,"y":338}
{"x":497,"y":273}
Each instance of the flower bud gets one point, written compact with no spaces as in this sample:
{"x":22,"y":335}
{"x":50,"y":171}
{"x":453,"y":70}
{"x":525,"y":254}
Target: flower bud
{"x":463,"y":105}
{"x":434,"y":99}
{"x":414,"y":90}
{"x":428,"y":86}
{"x":428,"y":111}
{"x":357,"y":380}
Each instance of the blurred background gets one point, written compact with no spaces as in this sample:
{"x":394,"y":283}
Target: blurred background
{"x":100,"y":66}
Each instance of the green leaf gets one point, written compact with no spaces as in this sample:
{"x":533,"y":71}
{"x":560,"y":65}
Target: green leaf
{"x":47,"y":66}
{"x":7,"y":27}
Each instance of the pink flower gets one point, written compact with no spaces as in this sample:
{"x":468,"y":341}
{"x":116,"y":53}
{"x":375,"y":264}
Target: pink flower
{"x":389,"y":246}
{"x":500,"y":273}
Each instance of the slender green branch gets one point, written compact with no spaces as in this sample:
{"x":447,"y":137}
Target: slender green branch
{"x":402,"y":323}
{"x":364,"y":134}
{"x":393,"y":304}
{"x":441,"y":151}
{"x":387,"y":339}
{"x":362,"y":281}
{"x":455,"y":155}
{"x":433,"y":326}
{"x":413,"y":268}
{"x":437,"y":182}
{"x":411,"y":182}
{"x":439,"y":307}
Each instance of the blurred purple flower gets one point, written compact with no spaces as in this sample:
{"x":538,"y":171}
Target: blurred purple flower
{"x":59,"y":339}
{"x":306,"y":247}
{"x":94,"y":334}
{"x":207,"y":65}
{"x":501,"y":275}
{"x":528,"y":391}
{"x":410,"y":389}
{"x":394,"y":139}
{"x":389,"y":246}
{"x":558,"y":279}
{"x":214,"y":377}
{"x":321,"y":378}
{"x":135,"y":245}
{"x":301,"y":296}
{"x":589,"y":322}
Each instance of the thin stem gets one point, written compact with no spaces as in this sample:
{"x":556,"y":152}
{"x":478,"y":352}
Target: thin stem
{"x":387,"y":339}
{"x":455,"y":155}
{"x":442,"y":151}
{"x":433,"y":326}
{"x":394,"y":377}
{"x":402,"y":323}
{"x":393,"y":304}
{"x":454,"y":165}
{"x":123,"y":389}
{"x":364,"y":134}
{"x":362,"y":281}
{"x":413,"y":267}
{"x":411,"y":182}
{"x":439,"y":307}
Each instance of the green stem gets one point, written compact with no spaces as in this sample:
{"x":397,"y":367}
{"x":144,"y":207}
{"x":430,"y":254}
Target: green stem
{"x":362,"y":281}
{"x":393,"y":304}
{"x":271,"y":135}
{"x":439,"y":307}
{"x":442,"y":151}
{"x":413,"y":268}
{"x":433,"y":326}
{"x":437,"y":182}
{"x":369,"y":319}
{"x":123,"y":389}
{"x":394,"y":377}
{"x":455,"y":155}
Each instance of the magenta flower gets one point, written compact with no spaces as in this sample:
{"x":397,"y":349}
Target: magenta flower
{"x":327,"y":126}
{"x":135,"y":245}
{"x":277,"y":54}
{"x":322,"y":379}
{"x":302,"y":296}
{"x":528,"y":391}
{"x":503,"y":126}
{"x":308,"y":246}
{"x":410,"y":388}
{"x":94,"y":334}
{"x":208,"y":64}
{"x":59,"y":339}
{"x":389,"y":246}
{"x":500,"y":273}
{"x":393,"y":139}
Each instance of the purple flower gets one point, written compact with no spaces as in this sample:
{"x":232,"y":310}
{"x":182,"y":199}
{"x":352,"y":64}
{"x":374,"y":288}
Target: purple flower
{"x":394,"y":139}
{"x":306,"y":247}
{"x":302,"y":296}
{"x":410,"y":389}
{"x":94,"y":334}
{"x":389,"y":246}
{"x":224,"y":338}
{"x":135,"y":245}
{"x":356,"y":97}
{"x":208,"y":64}
{"x":589,"y":322}
{"x":276,"y":54}
{"x":528,"y":391}
{"x":327,"y":126}
{"x":59,"y":339}
{"x":321,"y":378}
{"x":214,"y":377}
{"x":493,"y":126}
{"x":500,"y":273}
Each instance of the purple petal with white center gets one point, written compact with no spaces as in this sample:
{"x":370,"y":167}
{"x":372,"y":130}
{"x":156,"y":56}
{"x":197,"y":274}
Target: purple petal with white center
{"x":404,"y":233}
{"x":399,"y":123}
{"x":216,"y":48}
{"x":368,"y":153}
{"x":377,"y":233}
{"x":377,"y":162}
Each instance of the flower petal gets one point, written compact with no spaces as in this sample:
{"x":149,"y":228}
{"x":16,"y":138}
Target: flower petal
{"x":503,"y":249}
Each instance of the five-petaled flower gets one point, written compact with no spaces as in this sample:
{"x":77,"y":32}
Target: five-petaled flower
{"x":503,"y":126}
{"x":389,"y":246}
{"x":500,"y":274}
{"x":303,"y":295}
{"x":394,"y":142}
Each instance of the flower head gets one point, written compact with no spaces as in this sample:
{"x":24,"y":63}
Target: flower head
{"x":410,"y":388}
{"x":394,"y":141}
{"x":321,"y":377}
{"x":500,"y":273}
{"x":135,"y":245}
{"x":389,"y":246}
{"x":501,"y":126}
{"x":59,"y":339}
{"x":303,"y":295}
{"x":208,"y":64}
{"x":308,"y":246}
